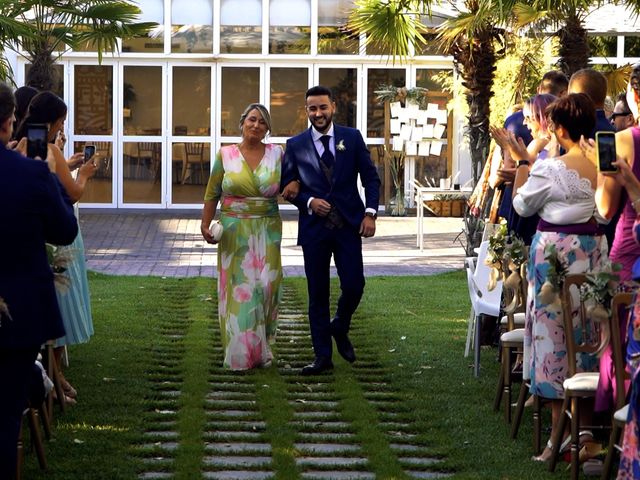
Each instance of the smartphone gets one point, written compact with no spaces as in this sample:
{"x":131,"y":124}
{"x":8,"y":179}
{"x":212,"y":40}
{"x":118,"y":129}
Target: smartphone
{"x":606,"y":151}
{"x":89,"y":151}
{"x":37,"y":140}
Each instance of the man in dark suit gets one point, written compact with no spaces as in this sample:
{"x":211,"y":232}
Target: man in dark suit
{"x":34,"y":210}
{"x":326,"y":160}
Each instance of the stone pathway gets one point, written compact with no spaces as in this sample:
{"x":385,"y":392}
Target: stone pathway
{"x":252,"y":418}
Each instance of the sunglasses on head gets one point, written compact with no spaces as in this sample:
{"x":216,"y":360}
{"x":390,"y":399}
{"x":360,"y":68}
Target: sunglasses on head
{"x":619,"y":114}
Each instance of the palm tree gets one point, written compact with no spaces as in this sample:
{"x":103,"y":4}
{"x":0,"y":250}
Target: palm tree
{"x":567,"y":18}
{"x":56,"y":26}
{"x":10,"y":30}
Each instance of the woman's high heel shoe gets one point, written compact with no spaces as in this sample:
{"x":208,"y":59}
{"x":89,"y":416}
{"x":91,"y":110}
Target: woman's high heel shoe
{"x":69,"y":391}
{"x":546,"y":454}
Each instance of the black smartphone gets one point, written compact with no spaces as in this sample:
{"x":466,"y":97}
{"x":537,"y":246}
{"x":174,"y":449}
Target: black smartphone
{"x":89,"y":151}
{"x":606,"y":151}
{"x":37,"y":140}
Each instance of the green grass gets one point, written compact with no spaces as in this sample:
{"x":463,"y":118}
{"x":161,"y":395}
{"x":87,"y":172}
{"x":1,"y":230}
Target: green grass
{"x":100,"y":438}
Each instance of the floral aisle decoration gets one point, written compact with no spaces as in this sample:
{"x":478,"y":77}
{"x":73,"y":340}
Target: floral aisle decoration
{"x":550,"y":290}
{"x":59,"y":259}
{"x":515,"y":255}
{"x":495,"y":254}
{"x":600,"y":288}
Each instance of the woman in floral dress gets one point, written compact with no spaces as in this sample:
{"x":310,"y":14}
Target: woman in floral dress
{"x":245,"y":181}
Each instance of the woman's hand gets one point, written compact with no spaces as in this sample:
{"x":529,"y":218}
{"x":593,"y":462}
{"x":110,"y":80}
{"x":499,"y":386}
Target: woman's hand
{"x":75,"y":160}
{"x":588,"y":147}
{"x":61,"y":140}
{"x":508,"y":141}
{"x":88,"y":170}
{"x":291,"y":190}
{"x":21,"y":146}
{"x":205,"y":230}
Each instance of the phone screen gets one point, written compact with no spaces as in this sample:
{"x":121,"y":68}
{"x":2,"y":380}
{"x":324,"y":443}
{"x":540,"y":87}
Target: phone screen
{"x":89,"y":151}
{"x":606,"y":151}
{"x":37,"y":141}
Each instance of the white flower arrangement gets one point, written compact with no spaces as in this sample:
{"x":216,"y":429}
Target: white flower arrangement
{"x":340,"y":146}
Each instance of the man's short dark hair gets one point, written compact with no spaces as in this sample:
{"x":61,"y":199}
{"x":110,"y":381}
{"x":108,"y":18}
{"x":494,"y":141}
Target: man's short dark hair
{"x":7,"y":102}
{"x":554,"y":82}
{"x":622,"y":97}
{"x":317,"y":91}
{"x":591,"y":82}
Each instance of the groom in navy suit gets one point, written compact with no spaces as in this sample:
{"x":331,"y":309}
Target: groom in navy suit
{"x":326,"y":160}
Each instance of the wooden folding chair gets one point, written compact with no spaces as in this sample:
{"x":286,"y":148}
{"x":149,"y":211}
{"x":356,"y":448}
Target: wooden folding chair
{"x":621,"y":301}
{"x":577,"y":386}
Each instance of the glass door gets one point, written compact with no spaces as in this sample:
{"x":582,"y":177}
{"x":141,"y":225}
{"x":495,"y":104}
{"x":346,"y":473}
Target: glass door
{"x":142,"y":116}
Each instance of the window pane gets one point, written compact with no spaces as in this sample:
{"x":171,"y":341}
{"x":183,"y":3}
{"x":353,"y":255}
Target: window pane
{"x":93,"y":100}
{"x":427,"y":78}
{"x":235,"y":39}
{"x":288,"y":86}
{"x":191,"y":106}
{"x":431,"y":47}
{"x":377,"y":157}
{"x":603,"y":46}
{"x":152,"y":11}
{"x":343,"y":84}
{"x":191,"y":26}
{"x":333,"y":41}
{"x":334,"y":12}
{"x":99,"y":188}
{"x":142,"y":171}
{"x":378,"y":77}
{"x":190,"y":166}
{"x":289,"y":26}
{"x":241,"y":26}
{"x":632,"y":46}
{"x":240,"y":87}
{"x":241,"y":12}
{"x":142,"y":94}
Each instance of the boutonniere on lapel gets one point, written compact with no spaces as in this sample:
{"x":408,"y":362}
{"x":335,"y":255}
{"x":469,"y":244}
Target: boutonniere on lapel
{"x":340,"y":146}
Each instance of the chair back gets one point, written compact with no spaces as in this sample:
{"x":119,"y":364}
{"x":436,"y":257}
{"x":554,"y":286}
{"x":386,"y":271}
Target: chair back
{"x":514,"y":297}
{"x":620,"y":305}
{"x":582,"y":336}
{"x":194,"y":148}
{"x":481,"y":280}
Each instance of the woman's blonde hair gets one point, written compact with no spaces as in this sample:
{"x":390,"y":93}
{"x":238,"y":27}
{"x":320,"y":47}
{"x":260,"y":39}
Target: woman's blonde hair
{"x":263,"y":111}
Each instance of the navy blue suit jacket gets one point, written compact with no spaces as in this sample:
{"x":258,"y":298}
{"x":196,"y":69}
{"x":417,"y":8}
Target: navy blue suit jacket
{"x":301,"y":162}
{"x":34,"y":210}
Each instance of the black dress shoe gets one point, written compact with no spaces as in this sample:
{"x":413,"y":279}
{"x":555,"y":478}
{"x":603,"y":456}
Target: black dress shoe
{"x":345,"y":348}
{"x":319,"y":365}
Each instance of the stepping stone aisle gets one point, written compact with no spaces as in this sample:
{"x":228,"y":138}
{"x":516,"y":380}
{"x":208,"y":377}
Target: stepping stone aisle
{"x":236,"y":447}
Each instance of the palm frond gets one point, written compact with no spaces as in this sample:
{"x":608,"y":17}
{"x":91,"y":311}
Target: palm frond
{"x":526,"y":15}
{"x":389,"y":26}
{"x":617,"y":79}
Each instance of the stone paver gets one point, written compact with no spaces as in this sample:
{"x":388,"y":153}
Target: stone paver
{"x":168,"y":243}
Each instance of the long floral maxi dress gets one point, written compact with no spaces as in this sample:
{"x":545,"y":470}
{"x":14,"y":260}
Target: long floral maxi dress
{"x":249,"y":266}
{"x":544,"y":329}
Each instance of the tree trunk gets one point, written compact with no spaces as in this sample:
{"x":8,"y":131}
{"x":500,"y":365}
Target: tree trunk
{"x":42,"y":73}
{"x":574,"y":48}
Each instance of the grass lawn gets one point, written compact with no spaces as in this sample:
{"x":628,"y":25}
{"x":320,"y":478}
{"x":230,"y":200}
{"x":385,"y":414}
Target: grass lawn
{"x":152,"y":328}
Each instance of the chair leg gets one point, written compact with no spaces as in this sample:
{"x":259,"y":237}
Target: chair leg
{"x":506,"y":371}
{"x":20,"y":456}
{"x":522,"y":398}
{"x":472,"y":319}
{"x":46,"y":424}
{"x":476,"y":339}
{"x":614,"y":439}
{"x":557,"y":439}
{"x":500,"y":389}
{"x":36,"y":438}
{"x":52,"y":371}
{"x":575,"y":438}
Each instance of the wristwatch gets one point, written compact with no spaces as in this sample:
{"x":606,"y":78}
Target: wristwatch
{"x":523,"y":162}
{"x":371,"y":214}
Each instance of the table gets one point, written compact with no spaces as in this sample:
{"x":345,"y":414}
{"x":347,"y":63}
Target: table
{"x":423,"y":194}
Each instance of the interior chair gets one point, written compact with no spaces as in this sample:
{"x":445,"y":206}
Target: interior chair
{"x":193,"y":154}
{"x":483,"y":301}
{"x":621,"y":301}
{"x":512,"y":340}
{"x":103,"y":152}
{"x":149,"y":157}
{"x":577,"y":386}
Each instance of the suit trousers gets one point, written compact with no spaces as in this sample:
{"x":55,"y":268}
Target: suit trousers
{"x":345,"y":245}
{"x":16,"y":367}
